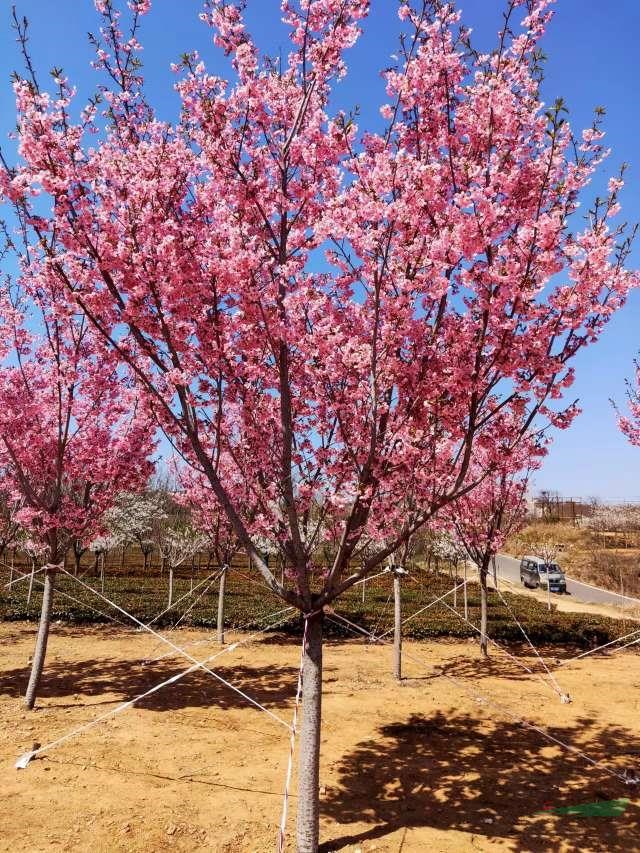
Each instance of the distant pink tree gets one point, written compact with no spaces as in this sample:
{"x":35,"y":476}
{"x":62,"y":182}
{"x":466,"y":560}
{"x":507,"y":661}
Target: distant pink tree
{"x":483,"y":519}
{"x":630,"y":423}
{"x":455,"y":292}
{"x":71,"y":430}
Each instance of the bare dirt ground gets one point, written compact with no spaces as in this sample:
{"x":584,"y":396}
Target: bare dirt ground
{"x":421,"y":766}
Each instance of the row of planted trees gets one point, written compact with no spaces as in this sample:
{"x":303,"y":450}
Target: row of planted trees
{"x":168,"y":281}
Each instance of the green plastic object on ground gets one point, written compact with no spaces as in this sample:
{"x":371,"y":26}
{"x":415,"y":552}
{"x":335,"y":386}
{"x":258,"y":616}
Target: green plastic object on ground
{"x":605,"y":808}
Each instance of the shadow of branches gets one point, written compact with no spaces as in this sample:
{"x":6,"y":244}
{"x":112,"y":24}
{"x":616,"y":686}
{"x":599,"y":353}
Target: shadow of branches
{"x":455,"y":771}
{"x":99,"y":677}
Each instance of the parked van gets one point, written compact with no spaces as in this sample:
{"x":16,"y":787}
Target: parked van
{"x":534,"y":572}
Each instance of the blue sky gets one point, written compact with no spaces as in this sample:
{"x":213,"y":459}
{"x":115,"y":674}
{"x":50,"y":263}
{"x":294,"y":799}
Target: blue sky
{"x":592,"y":60}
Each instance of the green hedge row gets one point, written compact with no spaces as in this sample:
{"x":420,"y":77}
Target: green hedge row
{"x":246,"y":602}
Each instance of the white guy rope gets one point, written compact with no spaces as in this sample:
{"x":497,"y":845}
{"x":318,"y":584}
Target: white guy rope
{"x":604,"y":646}
{"x":77,"y":601}
{"x":382,"y":613}
{"x":625,"y":777}
{"x":182,"y":652}
{"x":508,"y":654}
{"x":22,"y":576}
{"x":186,"y":612}
{"x":371,"y":578}
{"x":564,"y":697}
{"x":186,"y":595}
{"x":24,"y":760}
{"x":282,"y":834}
{"x":211,"y":637}
{"x":426,"y":607}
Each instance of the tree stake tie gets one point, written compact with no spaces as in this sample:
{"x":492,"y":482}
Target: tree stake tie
{"x":282,"y":833}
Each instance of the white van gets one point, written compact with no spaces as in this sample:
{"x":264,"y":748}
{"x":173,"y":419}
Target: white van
{"x":534,"y":572}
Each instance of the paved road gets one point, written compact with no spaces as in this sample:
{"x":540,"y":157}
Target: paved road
{"x":509,"y":568}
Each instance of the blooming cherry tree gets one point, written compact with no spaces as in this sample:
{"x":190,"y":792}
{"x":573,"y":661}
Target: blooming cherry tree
{"x":455,"y":291}
{"x":485,"y":517}
{"x":71,"y":433}
{"x":630,"y":423}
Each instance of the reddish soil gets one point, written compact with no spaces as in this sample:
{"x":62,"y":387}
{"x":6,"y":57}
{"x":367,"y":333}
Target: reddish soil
{"x":420,"y":766}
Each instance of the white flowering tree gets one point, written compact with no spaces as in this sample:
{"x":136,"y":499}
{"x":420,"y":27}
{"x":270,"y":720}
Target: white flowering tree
{"x":134,"y":519}
{"x":178,"y":543}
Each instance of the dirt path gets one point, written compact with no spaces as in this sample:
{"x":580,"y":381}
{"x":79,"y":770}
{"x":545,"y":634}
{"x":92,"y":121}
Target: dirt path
{"x":418,"y":767}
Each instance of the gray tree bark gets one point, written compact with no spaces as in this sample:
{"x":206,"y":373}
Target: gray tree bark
{"x":464,"y":590}
{"x":170,"y":601}
{"x":397,"y":628}
{"x":483,"y":612}
{"x":221,"y":588}
{"x":42,"y":639}
{"x":33,"y":571}
{"x":308,"y":817}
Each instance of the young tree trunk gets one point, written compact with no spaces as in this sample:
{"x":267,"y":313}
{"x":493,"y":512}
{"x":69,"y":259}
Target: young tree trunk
{"x":483,"y":612}
{"x":33,"y":571}
{"x":308,"y":817}
{"x":220,"y":623}
{"x":41,"y":640}
{"x":102,"y":574}
{"x":495,"y":571}
{"x":397,"y":628}
{"x":77,"y":557}
{"x":364,"y":585}
{"x":122,"y":553}
{"x":96,"y":560}
{"x":455,"y":588}
{"x":170,"y":601}
{"x":464,"y":590}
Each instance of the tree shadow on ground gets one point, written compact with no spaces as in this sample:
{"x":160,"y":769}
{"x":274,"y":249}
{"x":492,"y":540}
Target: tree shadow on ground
{"x":273,"y":686}
{"x":453,"y":771}
{"x":495,"y":666}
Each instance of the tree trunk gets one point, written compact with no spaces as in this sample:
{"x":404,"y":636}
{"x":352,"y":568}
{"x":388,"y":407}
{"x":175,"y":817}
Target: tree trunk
{"x":308,"y":817}
{"x":102,"y":574}
{"x":220,"y":622}
{"x":483,"y":612}
{"x":124,"y":550}
{"x":41,"y":641}
{"x":170,"y":602}
{"x":455,"y":588}
{"x":96,"y":560}
{"x":77,"y":557}
{"x":33,"y":571}
{"x":397,"y":628}
{"x":464,"y":589}
{"x":364,"y":585}
{"x":495,"y":571}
